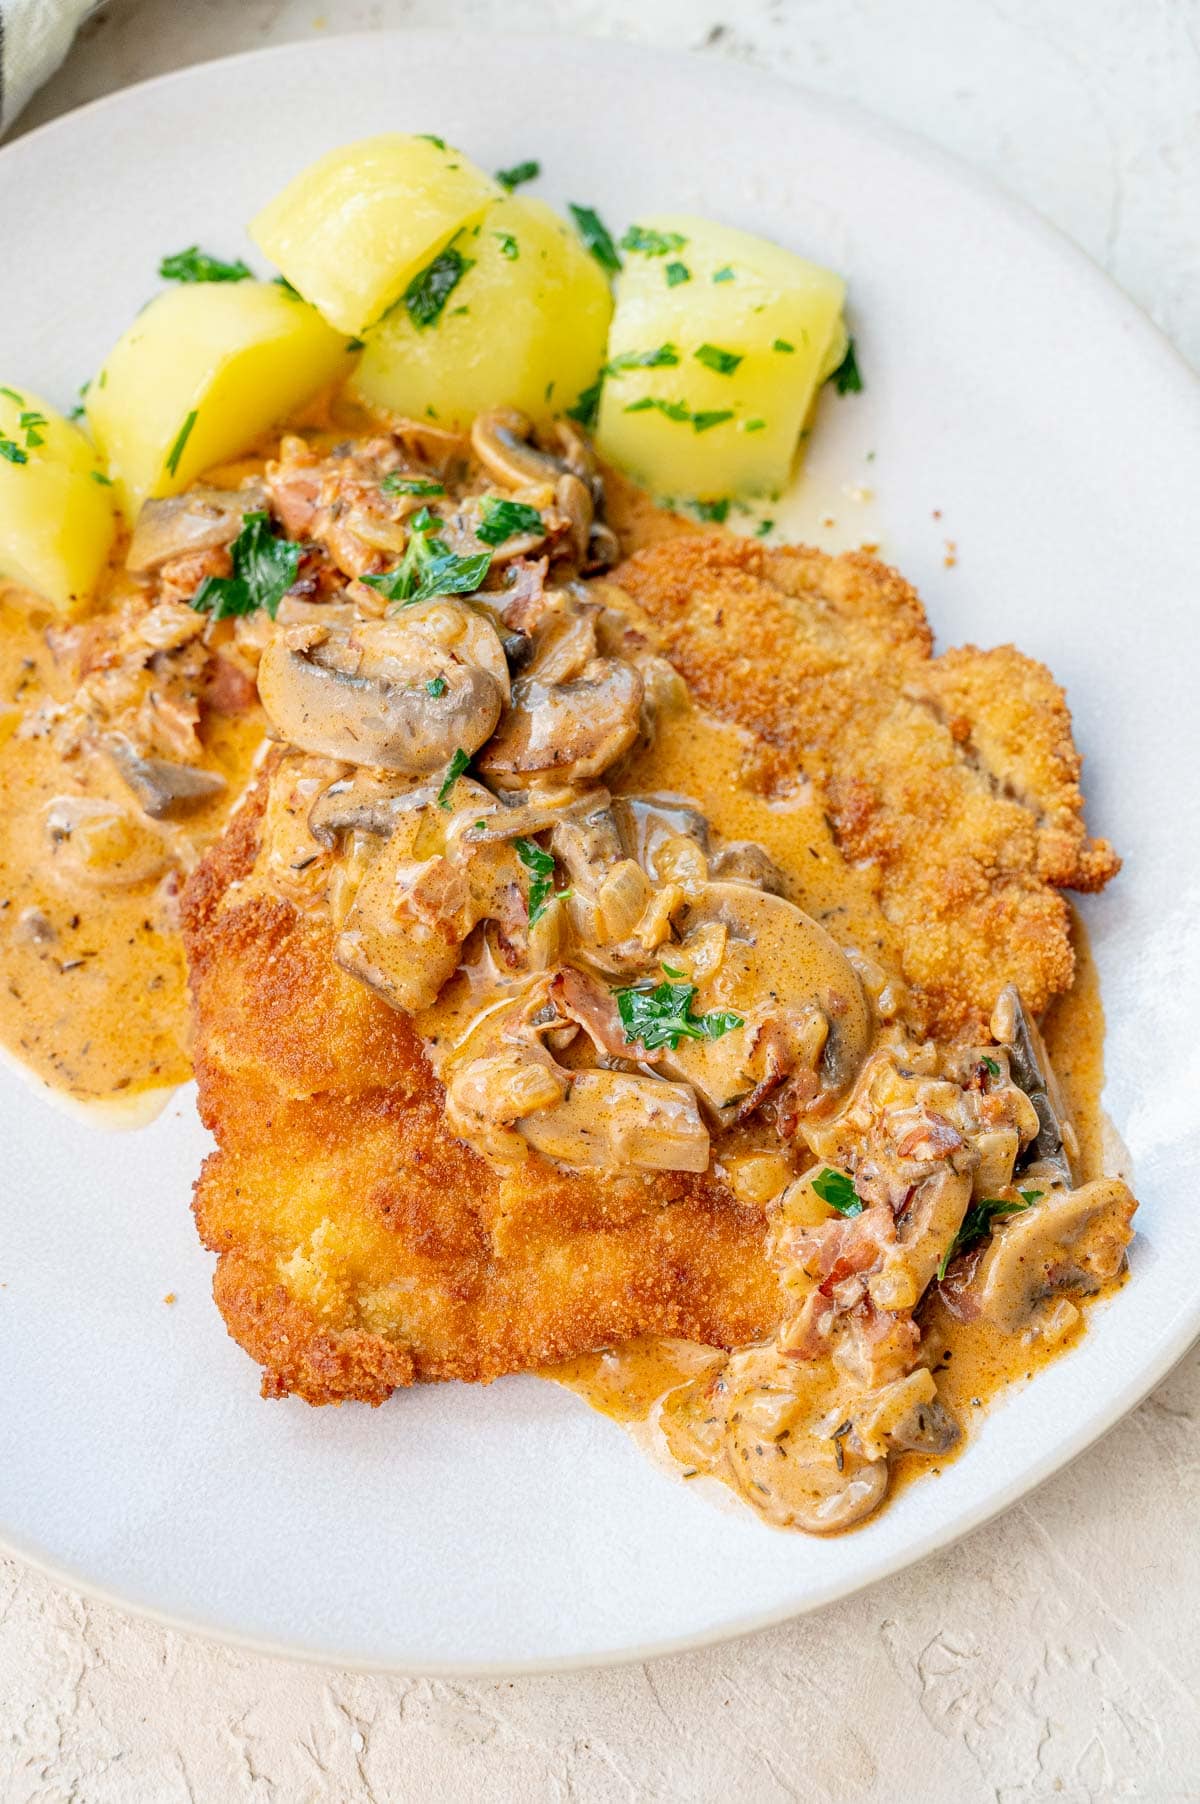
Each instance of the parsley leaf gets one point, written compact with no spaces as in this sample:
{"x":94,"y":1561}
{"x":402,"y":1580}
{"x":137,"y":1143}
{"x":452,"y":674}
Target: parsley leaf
{"x":836,"y":1189}
{"x":978,"y":1221}
{"x":520,"y":172}
{"x":396,"y":484}
{"x":587,"y":406}
{"x":454,"y":771}
{"x":713,"y":358}
{"x":782,"y":344}
{"x":540,"y":865}
{"x":432,"y":138}
{"x":662,"y":357}
{"x":663,"y":1016}
{"x":724,"y":275}
{"x":717,"y":511}
{"x":176,"y":451}
{"x":702,"y":422}
{"x":506,"y":520}
{"x":435,"y":687}
{"x":508,"y":245}
{"x":11,"y":451}
{"x":429,"y":567}
{"x":677,"y":273}
{"x":846,"y":378}
{"x":653,"y":244}
{"x":763,"y":528}
{"x":195,"y":265}
{"x":432,"y":286}
{"x":12,"y":395}
{"x":992,"y":1066}
{"x":264,"y":569}
{"x":29,"y":424}
{"x":596,"y":236}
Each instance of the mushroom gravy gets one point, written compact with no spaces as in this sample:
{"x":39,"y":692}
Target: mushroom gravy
{"x":621,"y":955}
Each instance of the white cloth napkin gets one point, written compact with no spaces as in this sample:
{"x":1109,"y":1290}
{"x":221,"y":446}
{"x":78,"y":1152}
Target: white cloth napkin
{"x":35,"y":35}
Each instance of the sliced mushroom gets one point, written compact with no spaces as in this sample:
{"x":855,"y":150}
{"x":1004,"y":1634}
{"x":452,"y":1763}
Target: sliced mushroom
{"x":1056,"y":1145}
{"x":502,"y":441}
{"x":367,"y":802}
{"x":571,"y":732}
{"x":906,"y":1416}
{"x":401,"y":694}
{"x":1072,"y":1240}
{"x":617,"y":1120}
{"x":165,"y":790}
{"x":197,"y":520}
{"x":745,"y":861}
{"x":800,"y":1005}
{"x":102,"y":843}
{"x":925,"y":1231}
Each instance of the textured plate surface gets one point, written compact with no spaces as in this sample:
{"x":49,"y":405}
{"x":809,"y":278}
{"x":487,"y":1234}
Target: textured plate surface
{"x":1015,"y":403}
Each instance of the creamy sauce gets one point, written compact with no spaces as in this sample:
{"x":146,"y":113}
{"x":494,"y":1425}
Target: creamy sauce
{"x":94,"y":996}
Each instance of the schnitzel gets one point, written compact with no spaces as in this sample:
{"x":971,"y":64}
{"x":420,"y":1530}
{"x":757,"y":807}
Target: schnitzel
{"x":372,"y":1225}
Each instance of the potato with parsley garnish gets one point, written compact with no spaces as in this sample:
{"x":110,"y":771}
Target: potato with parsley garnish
{"x":523,"y":325}
{"x":56,"y":507}
{"x":353,"y":229}
{"x":718,"y":346}
{"x":201,"y":373}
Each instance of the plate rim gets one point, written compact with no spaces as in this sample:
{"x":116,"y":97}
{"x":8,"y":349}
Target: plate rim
{"x":988,"y":192}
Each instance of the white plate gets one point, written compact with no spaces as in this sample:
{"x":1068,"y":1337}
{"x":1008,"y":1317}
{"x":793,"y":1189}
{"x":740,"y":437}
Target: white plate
{"x":1009,"y":387}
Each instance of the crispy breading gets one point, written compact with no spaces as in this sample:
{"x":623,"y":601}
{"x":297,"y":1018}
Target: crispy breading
{"x":359,"y":1245}
{"x":956,"y":776}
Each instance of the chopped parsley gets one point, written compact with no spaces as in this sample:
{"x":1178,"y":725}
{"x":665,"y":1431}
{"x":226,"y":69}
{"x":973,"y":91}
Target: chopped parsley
{"x":13,"y":396}
{"x":978,"y":1221}
{"x":432,"y":138}
{"x":846,"y":378}
{"x":29,"y":424}
{"x":703,"y":422}
{"x":507,"y":520}
{"x":105,"y":482}
{"x":836,"y":1189}
{"x":992,"y":1066}
{"x":432,"y":286}
{"x":662,"y":357}
{"x":677,"y":273}
{"x":356,"y":344}
{"x":723,"y":275}
{"x":540,"y":865}
{"x":195,"y":265}
{"x":264,"y":569}
{"x":396,"y":484}
{"x":596,"y":237}
{"x":289,"y":288}
{"x":782,"y":344}
{"x":184,"y":434}
{"x":754,"y":425}
{"x":662,"y":1016}
{"x":717,"y":511}
{"x":673,"y":410}
{"x":519,"y":173}
{"x":429,"y":567}
{"x":651,"y":243}
{"x":454,"y":771}
{"x":714,"y":358}
{"x":508,"y":245}
{"x":11,"y":451}
{"x":436,"y":686}
{"x":587,"y":406}
{"x":763,"y":528}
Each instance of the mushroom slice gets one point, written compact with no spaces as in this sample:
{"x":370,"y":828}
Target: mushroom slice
{"x":667,"y":835}
{"x":570,"y":732}
{"x":906,"y":1416}
{"x":101,"y":843}
{"x":165,"y":790}
{"x":925,"y":1230}
{"x":800,"y":1004}
{"x":745,"y":861}
{"x":367,"y":802}
{"x":1071,"y":1240}
{"x":403,"y":694}
{"x":617,"y":1120}
{"x":1056,"y":1145}
{"x":198,"y":520}
{"x":502,"y":441}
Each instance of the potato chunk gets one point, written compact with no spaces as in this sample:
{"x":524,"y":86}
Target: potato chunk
{"x":357,"y":225}
{"x":56,"y":509}
{"x":718,"y":346}
{"x":200,"y":374}
{"x":525,"y":326}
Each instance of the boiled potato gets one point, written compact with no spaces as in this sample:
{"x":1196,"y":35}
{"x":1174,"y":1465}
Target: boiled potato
{"x":56,"y":510}
{"x":200,"y":374}
{"x":524,"y":327}
{"x":717,"y":348}
{"x":353,"y":228}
